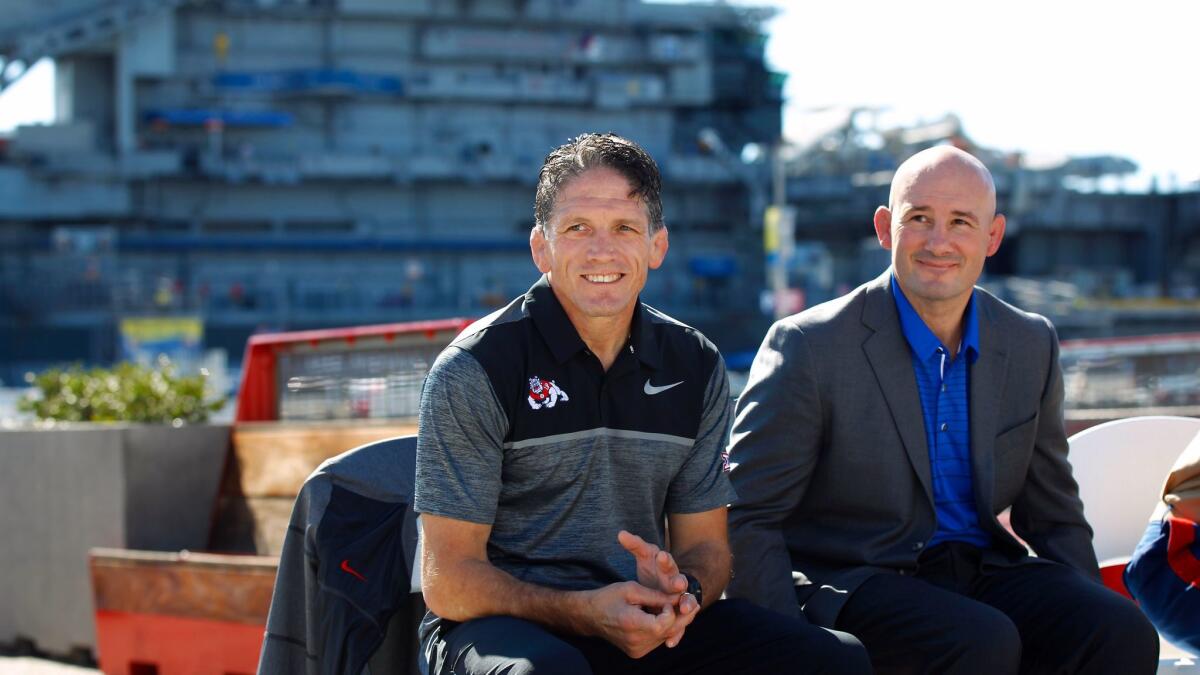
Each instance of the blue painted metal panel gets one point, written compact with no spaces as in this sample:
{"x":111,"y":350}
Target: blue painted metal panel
{"x":290,"y":243}
{"x":309,"y":80}
{"x":230,"y":118}
{"x":713,"y":266}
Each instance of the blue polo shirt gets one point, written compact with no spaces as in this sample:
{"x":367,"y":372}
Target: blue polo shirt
{"x":942,"y":384}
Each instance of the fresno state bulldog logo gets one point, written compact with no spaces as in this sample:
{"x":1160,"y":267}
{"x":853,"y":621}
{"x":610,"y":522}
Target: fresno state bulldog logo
{"x":544,"y":393}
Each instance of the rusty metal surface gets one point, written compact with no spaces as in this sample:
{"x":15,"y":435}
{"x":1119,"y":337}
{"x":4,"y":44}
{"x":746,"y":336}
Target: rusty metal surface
{"x":196,"y":585}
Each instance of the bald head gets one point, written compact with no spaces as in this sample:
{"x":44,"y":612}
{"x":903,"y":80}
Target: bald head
{"x":945,"y":162}
{"x":940,"y":224}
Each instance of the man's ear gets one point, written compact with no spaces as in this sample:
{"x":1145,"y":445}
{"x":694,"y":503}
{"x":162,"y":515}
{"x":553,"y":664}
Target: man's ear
{"x":883,"y":227}
{"x":996,"y":234}
{"x":659,"y":244}
{"x":538,"y":247}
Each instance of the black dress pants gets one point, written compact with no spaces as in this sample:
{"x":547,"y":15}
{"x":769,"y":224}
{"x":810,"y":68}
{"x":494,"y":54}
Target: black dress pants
{"x":730,"y":636}
{"x":958,"y":616}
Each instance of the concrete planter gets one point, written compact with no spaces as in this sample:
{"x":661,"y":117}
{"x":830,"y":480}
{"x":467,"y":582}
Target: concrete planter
{"x":66,"y":490}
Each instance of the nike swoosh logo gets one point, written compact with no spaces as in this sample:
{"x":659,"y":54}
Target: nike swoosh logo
{"x":350,"y":570}
{"x":652,"y":390}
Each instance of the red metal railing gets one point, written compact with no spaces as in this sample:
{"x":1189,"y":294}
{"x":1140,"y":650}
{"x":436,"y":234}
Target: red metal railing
{"x":274,"y":362}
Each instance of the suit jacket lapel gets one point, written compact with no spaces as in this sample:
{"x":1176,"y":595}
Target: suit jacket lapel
{"x":986,"y":390}
{"x":889,"y":356}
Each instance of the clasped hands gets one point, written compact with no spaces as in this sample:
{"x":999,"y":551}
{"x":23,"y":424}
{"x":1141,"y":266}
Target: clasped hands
{"x":638,"y":616}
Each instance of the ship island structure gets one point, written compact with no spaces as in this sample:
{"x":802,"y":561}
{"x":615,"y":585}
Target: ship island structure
{"x":272,"y":165}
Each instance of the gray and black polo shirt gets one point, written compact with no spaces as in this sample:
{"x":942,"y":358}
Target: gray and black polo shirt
{"x":522,"y":429}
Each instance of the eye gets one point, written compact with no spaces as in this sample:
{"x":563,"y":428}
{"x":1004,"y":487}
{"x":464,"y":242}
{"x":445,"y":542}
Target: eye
{"x":576,"y":227}
{"x":628,"y":228}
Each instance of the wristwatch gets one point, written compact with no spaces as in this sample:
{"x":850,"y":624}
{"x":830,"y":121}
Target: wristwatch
{"x":694,"y":588}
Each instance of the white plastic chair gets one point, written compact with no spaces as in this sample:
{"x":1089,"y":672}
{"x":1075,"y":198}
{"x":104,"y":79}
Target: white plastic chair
{"x":1120,"y":467}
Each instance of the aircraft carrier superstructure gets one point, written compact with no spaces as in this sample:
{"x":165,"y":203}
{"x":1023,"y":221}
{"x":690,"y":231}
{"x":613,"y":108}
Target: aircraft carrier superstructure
{"x":275,"y":164}
{"x":288,"y":164}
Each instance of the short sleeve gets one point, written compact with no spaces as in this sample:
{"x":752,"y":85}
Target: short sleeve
{"x":460,"y":436}
{"x":703,"y":483}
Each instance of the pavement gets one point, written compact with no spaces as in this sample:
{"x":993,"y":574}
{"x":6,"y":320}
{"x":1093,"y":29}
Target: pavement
{"x":1172,"y":659}
{"x":28,"y":665}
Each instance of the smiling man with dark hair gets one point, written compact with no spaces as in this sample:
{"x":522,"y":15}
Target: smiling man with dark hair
{"x":559,"y":439}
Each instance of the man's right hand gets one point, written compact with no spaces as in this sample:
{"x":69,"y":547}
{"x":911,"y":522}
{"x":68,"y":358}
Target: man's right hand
{"x":634,"y":618}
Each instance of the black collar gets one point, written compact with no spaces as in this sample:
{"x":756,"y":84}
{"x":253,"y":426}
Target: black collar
{"x":562,"y":337}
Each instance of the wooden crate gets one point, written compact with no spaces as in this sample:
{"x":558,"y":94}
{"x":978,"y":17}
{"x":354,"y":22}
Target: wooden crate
{"x":180,"y":613}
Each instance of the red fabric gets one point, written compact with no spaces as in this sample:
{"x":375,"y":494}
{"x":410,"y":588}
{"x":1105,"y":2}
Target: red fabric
{"x":1113,"y":576}
{"x":1180,"y":557}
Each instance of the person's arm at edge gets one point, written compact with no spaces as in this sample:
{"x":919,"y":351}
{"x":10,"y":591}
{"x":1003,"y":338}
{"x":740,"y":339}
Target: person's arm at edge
{"x":773,"y":451}
{"x":1048,"y":512}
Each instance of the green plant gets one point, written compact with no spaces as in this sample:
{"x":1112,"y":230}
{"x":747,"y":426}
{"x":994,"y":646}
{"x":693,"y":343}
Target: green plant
{"x":127,"y":392}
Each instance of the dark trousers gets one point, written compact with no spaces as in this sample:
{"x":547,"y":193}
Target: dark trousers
{"x":731,"y":636}
{"x":956,"y":616}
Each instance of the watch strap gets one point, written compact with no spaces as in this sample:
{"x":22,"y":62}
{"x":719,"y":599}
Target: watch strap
{"x":694,"y":587}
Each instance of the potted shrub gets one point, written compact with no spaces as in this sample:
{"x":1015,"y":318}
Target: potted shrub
{"x":128,"y":392}
{"x":119,"y":458}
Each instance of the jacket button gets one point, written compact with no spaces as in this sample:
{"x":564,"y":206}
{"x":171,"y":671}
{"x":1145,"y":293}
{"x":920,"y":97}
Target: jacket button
{"x":918,"y":546}
{"x":903,"y":573}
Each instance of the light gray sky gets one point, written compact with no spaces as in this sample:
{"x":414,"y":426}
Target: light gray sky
{"x":1047,"y":77}
{"x":30,"y":100}
{"x":1043,"y":76}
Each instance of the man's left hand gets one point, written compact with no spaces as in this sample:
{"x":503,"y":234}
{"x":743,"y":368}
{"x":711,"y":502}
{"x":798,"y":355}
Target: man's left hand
{"x":656,"y":569}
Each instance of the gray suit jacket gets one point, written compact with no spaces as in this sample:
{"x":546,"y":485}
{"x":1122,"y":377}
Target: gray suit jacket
{"x":831,"y":465}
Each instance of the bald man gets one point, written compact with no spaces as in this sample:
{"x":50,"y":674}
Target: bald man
{"x":881,"y":434}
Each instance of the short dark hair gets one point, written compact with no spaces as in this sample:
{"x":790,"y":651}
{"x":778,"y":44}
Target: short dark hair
{"x":589,"y":151}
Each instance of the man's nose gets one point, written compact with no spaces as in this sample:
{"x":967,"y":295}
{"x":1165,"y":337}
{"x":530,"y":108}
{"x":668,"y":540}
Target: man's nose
{"x":601,"y":246}
{"x":938,"y":241}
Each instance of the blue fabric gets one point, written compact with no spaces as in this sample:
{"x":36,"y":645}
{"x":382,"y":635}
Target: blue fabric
{"x":1171,"y":603}
{"x":942,"y":384}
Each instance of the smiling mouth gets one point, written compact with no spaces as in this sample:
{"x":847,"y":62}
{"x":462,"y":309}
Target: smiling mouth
{"x":938,"y":264}
{"x":603,"y":278}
